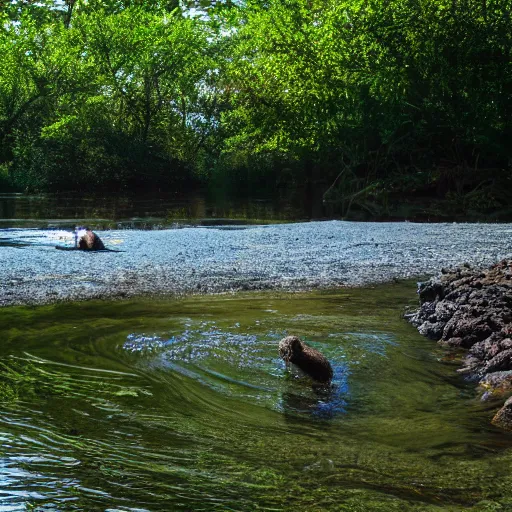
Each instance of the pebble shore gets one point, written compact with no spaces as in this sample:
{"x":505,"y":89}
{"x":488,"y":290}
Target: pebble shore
{"x":191,"y":259}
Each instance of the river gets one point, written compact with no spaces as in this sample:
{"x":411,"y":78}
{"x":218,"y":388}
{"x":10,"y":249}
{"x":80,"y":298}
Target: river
{"x":185,"y":405}
{"x":180,"y":402}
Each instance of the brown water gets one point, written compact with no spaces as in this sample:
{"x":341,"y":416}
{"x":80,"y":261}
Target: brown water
{"x":185,"y":405}
{"x":21,"y":210}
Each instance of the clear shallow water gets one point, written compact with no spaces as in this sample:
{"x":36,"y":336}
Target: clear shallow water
{"x":184,"y":405}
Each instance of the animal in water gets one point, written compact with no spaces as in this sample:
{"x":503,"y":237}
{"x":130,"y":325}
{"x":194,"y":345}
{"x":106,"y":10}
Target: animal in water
{"x":87,"y":240}
{"x":308,"y":359}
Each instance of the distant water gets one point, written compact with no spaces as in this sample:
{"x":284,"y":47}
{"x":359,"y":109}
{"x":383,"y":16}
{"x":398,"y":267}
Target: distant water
{"x":21,"y":210}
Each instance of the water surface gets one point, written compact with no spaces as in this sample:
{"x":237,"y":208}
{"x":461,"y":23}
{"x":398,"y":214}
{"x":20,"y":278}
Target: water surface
{"x":185,"y":405}
{"x":139,"y":211}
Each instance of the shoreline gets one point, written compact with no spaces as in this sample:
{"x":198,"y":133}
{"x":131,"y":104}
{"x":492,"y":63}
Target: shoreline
{"x":120,"y":295}
{"x":204,"y":260}
{"x":470,"y":309}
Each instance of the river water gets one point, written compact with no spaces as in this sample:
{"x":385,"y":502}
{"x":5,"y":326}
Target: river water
{"x":21,"y":210}
{"x":160,"y":404}
{"x":185,"y":405}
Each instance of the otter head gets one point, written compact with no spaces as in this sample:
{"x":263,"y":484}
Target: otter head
{"x":289,"y":348}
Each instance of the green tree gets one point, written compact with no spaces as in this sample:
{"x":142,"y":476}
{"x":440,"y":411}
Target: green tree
{"x":371,"y":94}
{"x":40,"y":65}
{"x":133,"y":119}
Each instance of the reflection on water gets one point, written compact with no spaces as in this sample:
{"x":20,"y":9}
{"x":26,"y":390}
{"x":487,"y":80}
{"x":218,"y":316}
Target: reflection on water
{"x":185,"y":405}
{"x":141,"y":212}
{"x":323,"y":402}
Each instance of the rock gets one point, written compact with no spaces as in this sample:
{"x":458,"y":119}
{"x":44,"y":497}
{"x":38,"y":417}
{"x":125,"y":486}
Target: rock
{"x":452,"y":324}
{"x":432,"y":330}
{"x":444,"y":310}
{"x":503,"y":418}
{"x":430,"y":291}
{"x":505,"y":344}
{"x":488,"y":348}
{"x":475,"y":329}
{"x":501,"y":361}
{"x":428,"y":310}
{"x":472,"y":309}
{"x":464,"y":325}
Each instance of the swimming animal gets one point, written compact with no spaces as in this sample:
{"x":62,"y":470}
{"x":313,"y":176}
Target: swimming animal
{"x":87,"y":240}
{"x":309,"y":360}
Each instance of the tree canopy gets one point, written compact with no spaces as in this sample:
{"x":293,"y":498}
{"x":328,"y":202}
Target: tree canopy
{"x":358,"y":99}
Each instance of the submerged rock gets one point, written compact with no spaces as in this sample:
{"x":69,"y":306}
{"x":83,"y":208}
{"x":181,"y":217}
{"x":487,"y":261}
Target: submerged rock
{"x":496,"y":385}
{"x":472,"y":309}
{"x":503,"y":418}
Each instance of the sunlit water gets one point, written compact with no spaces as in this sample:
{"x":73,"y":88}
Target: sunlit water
{"x":185,"y":405}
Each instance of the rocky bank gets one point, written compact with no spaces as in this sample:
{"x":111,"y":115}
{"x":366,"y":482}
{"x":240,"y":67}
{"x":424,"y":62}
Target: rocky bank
{"x":471,"y":309}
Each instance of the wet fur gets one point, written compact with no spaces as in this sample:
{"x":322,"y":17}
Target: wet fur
{"x":86,"y":240}
{"x":90,"y":241}
{"x":309,"y":360}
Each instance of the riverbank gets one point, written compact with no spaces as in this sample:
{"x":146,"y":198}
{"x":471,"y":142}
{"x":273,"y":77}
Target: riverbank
{"x":192,"y":260}
{"x":471,"y":309}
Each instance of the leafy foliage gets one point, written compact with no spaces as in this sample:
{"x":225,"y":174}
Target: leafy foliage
{"x":360,"y":99}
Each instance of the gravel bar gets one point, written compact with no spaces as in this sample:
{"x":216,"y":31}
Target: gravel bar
{"x":291,"y":257}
